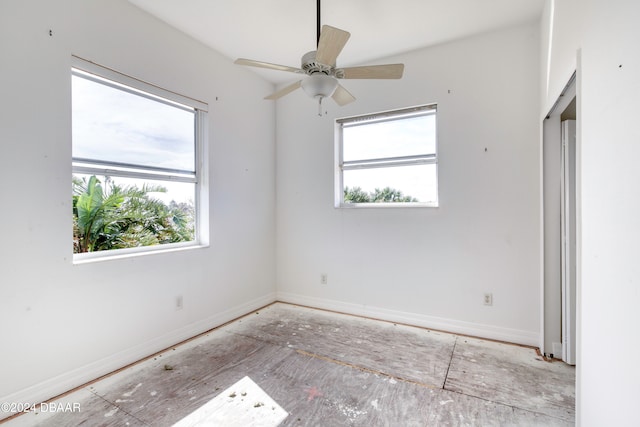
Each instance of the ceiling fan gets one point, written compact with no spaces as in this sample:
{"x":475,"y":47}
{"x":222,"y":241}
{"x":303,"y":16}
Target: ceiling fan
{"x":320,"y":67}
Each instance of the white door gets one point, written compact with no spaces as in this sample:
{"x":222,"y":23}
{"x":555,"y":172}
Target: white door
{"x":568,"y":230}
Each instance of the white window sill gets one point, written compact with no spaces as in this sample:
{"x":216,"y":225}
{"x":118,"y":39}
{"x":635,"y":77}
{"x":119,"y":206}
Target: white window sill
{"x":117,"y":254}
{"x":385,"y":205}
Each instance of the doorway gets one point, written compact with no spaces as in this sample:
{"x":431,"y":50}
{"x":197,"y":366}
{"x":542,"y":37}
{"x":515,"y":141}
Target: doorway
{"x":559,"y":215}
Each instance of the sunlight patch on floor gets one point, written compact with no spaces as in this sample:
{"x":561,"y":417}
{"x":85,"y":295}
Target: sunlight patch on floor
{"x":244,"y":404}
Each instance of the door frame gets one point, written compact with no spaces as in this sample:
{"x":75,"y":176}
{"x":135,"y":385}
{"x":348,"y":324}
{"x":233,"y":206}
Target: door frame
{"x":551,"y":310}
{"x":568,"y":221}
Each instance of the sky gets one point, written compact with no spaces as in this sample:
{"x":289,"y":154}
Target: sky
{"x":393,"y":138}
{"x":108,"y":125}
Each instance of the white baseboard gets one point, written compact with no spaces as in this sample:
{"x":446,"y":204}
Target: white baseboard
{"x":515,"y":336}
{"x":69,"y":380}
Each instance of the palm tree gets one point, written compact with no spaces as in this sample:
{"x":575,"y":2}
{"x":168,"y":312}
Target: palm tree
{"x":125,"y":216}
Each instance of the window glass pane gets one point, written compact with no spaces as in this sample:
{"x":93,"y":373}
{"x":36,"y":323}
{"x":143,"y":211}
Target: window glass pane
{"x":116,"y":213}
{"x":114,"y":125}
{"x":416,"y":183}
{"x":393,"y":138}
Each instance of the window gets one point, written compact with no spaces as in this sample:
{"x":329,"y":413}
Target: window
{"x":388,"y":159}
{"x":136,"y":153}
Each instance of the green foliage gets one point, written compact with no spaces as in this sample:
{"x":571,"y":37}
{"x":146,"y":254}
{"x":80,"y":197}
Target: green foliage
{"x":385,"y":195}
{"x":356,"y":195}
{"x":116,"y":217}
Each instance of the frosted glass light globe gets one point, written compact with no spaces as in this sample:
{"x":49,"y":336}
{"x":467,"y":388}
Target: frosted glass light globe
{"x":319,"y":85}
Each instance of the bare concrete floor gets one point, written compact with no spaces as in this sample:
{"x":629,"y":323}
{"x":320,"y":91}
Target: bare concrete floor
{"x":328,"y":369}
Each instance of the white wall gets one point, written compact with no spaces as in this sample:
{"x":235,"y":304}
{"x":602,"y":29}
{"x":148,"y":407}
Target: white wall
{"x":561,"y":26}
{"x":63,"y":324}
{"x":427,"y":266}
{"x":606,"y":33}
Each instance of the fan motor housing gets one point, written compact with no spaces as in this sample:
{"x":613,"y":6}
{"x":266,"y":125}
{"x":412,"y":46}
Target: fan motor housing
{"x":311,"y":66}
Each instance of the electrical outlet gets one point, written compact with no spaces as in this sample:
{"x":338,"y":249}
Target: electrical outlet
{"x":488,"y":298}
{"x":179,"y":302}
{"x":323,"y":279}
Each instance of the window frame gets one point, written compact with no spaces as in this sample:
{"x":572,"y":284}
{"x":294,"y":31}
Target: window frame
{"x":383,"y":162}
{"x":119,"y":81}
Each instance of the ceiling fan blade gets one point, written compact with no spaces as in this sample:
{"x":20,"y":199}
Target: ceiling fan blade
{"x":285,"y":90}
{"x":331,"y":43}
{"x":342,"y":96}
{"x":252,"y":63}
{"x":388,"y":71}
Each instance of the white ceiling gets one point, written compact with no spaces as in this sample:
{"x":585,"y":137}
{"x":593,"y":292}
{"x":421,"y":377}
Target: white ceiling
{"x":281,"y":31}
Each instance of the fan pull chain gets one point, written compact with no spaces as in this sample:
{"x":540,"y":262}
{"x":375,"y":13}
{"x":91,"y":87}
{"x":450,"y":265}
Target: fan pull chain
{"x":320,"y":106}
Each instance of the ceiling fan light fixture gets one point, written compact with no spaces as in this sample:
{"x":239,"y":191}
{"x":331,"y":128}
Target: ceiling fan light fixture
{"x":319,"y":85}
